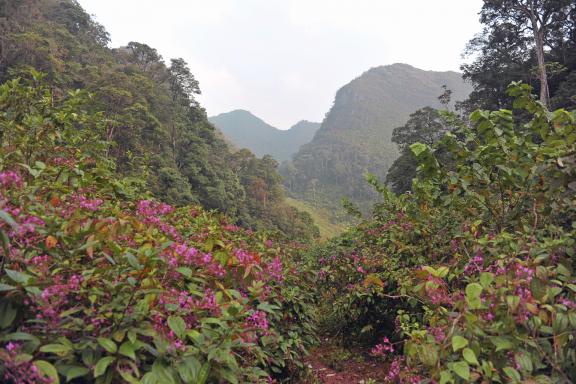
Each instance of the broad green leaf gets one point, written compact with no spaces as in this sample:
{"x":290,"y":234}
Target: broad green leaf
{"x":458,"y":342}
{"x":6,"y":287}
{"x":501,"y":343}
{"x":428,"y":355}
{"x":127,"y":350}
{"x":204,"y":373}
{"x":486,"y":278}
{"x":162,"y":373}
{"x":60,"y":349}
{"x":75,"y":372}
{"x":48,"y":369}
{"x":462,"y":369}
{"x":108,"y":344}
{"x":102,"y":365}
{"x":178,"y":326}
{"x":5,"y":216}
{"x":418,"y":148}
{"x":473,"y":292}
{"x":513,"y":374}
{"x":470,"y":356}
{"x":18,"y":277}
{"x":189,"y":369}
{"x":446,"y":377}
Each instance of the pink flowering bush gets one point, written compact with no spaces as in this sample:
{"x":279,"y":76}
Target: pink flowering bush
{"x":99,"y":283}
{"x":471,"y":277}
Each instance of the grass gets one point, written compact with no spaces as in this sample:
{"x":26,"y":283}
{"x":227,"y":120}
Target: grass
{"x":321,"y":217}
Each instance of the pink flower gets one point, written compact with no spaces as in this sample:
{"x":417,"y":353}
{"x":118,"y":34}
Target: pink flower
{"x":10,"y":178}
{"x":383,"y":348}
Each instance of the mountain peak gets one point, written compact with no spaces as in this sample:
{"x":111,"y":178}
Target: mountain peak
{"x":245,"y":130}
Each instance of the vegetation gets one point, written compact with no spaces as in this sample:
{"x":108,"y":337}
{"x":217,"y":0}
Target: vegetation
{"x":137,"y":247}
{"x":100,"y":283}
{"x":245,"y":130}
{"x":470,"y":277}
{"x":355,"y":137}
{"x":157,"y":127}
{"x":322,"y":218}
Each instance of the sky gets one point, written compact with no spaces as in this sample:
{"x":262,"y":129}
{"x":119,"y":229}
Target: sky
{"x":284,"y":60}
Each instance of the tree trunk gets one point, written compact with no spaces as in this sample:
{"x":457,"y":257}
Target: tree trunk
{"x":539,"y":45}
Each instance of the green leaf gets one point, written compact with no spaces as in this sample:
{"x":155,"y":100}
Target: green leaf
{"x":513,"y":374}
{"x":473,"y":292}
{"x":127,"y":350}
{"x":48,"y":369}
{"x":470,"y":356}
{"x":178,"y":326}
{"x":109,"y":345}
{"x":458,"y":342}
{"x":204,"y":373}
{"x":162,"y":373}
{"x":75,"y":372}
{"x":486,"y":278}
{"x":5,"y":216}
{"x":6,"y":287}
{"x":418,"y":148}
{"x":189,"y":369}
{"x":501,"y":343}
{"x":524,"y":361}
{"x":59,"y":349}
{"x":18,"y":277}
{"x":7,"y":313}
{"x":187,"y":272}
{"x":446,"y":377}
{"x":102,"y":365}
{"x":428,"y":355}
{"x":462,"y":369}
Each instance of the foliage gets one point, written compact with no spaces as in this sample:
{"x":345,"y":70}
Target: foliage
{"x":470,"y":276}
{"x":99,"y":283}
{"x":517,"y":32}
{"x":151,"y":116}
{"x":424,"y":126}
{"x":355,"y":136}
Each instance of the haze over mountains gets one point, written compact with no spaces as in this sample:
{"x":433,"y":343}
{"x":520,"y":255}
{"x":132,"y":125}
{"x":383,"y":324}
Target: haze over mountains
{"x":355,"y":136}
{"x":245,"y":130}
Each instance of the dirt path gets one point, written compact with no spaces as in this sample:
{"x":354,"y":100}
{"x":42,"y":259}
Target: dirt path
{"x":330,"y":364}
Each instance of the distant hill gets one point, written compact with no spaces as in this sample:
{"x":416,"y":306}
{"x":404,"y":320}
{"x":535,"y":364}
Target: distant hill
{"x":245,"y":130}
{"x":355,"y":136}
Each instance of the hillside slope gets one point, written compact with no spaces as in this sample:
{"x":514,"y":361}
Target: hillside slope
{"x":245,"y":130}
{"x":150,"y":113}
{"x":355,"y":136}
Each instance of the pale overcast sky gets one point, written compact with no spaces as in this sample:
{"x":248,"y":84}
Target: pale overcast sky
{"x":284,"y":60}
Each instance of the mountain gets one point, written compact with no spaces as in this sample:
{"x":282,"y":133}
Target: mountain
{"x":355,"y":136}
{"x":149,"y":113}
{"x":245,"y":130}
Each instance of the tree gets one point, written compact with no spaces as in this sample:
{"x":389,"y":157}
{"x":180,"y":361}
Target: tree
{"x":515,"y":30}
{"x":424,"y":126}
{"x":182,"y":82}
{"x":144,"y":55}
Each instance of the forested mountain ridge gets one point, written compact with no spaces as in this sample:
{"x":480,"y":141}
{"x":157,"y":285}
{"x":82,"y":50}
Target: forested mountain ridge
{"x":245,"y":130}
{"x":157,"y":126}
{"x":355,"y":137}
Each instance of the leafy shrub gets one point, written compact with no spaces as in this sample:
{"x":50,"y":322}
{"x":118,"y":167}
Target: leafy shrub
{"x":477,"y":263}
{"x":99,"y":283}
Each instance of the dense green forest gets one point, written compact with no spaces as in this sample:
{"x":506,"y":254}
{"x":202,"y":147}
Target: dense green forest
{"x":137,"y":247}
{"x":157,"y":127}
{"x":245,"y":130}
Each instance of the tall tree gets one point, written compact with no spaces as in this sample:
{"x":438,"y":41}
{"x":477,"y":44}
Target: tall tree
{"x":514,"y":29}
{"x":424,"y":126}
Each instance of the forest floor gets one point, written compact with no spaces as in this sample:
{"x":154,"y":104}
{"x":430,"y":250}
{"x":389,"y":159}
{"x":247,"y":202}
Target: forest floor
{"x":331,"y":364}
